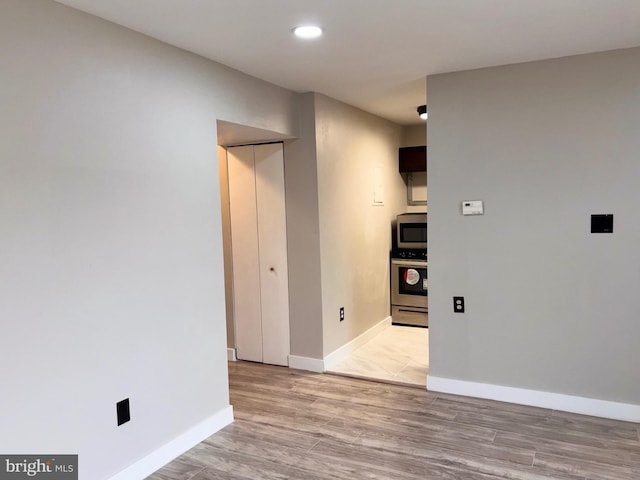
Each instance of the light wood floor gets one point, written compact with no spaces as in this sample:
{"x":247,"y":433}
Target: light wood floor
{"x":397,"y":354}
{"x":298,"y":425}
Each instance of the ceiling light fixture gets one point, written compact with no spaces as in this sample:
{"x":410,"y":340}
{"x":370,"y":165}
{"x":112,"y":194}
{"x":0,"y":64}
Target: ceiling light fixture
{"x":307,"y":31}
{"x":422,"y":111}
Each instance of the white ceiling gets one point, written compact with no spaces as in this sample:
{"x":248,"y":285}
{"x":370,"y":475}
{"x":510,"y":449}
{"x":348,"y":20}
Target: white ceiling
{"x":375,"y":54}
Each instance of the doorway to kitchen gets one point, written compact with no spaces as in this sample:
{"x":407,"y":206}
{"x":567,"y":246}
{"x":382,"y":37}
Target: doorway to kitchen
{"x":405,"y":349}
{"x":398,"y":351}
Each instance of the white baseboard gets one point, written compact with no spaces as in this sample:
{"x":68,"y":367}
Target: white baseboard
{"x":231,"y":355}
{"x":176,"y":447}
{"x":306,"y":363}
{"x":348,"y":348}
{"x":556,"y":401}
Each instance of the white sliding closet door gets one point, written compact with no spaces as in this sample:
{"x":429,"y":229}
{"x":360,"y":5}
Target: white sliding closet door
{"x":259,"y":253}
{"x":244,"y":241}
{"x":272,"y":241}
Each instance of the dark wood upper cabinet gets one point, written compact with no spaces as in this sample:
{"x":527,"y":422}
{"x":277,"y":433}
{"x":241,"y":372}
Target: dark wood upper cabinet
{"x":412,"y":159}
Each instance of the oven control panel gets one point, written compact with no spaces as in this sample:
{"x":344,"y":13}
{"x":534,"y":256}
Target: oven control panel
{"x":409,"y":253}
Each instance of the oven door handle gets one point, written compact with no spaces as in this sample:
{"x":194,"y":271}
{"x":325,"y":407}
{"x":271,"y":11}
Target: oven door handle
{"x":409,"y":263}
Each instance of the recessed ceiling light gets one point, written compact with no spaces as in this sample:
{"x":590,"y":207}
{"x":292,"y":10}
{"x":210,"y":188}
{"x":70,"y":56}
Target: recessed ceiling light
{"x":307,"y":31}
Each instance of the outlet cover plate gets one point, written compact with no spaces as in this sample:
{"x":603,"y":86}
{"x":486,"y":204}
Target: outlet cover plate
{"x":602,"y":223}
{"x":458,"y":304}
{"x":122,"y":410}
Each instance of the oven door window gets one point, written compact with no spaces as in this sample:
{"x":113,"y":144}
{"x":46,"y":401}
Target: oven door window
{"x":412,"y":281}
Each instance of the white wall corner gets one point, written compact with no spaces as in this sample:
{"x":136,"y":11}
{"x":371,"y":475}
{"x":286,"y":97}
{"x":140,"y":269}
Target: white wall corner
{"x":176,"y":447}
{"x":306,"y":363}
{"x":348,"y":348}
{"x":231,"y":355}
{"x":556,"y":401}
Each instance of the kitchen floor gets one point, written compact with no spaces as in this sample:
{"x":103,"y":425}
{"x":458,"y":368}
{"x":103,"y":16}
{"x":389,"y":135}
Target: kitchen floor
{"x":396,"y":355}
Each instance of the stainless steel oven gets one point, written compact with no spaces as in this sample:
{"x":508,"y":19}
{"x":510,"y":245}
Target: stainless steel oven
{"x":409,"y":292}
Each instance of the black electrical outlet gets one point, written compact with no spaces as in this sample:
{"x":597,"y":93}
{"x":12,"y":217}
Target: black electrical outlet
{"x":602,"y":223}
{"x":458,"y":304}
{"x":341,"y":314}
{"x":122,"y":409}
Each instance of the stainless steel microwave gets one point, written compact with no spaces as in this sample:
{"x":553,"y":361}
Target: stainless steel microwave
{"x":412,"y":230}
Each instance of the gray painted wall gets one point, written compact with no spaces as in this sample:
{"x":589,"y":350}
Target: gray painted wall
{"x":414,"y":135}
{"x":550,"y":306}
{"x":355,"y":235}
{"x":111,"y":271}
{"x":303,"y":236}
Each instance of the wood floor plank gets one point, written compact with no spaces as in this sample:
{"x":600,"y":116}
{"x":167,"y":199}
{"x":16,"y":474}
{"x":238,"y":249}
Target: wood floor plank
{"x":237,"y":463}
{"x":395,"y":405}
{"x":254,"y":444}
{"x":338,"y":430}
{"x":609,"y":453}
{"x":291,"y":431}
{"x":361,"y":461}
{"x":452,"y":443}
{"x":179,"y":469}
{"x":590,"y":470}
{"x":473,"y":404}
{"x":601,"y":426}
{"x":207,"y":474}
{"x":538,"y":428}
{"x":413,"y":427}
{"x":295,"y":425}
{"x":426,"y":461}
